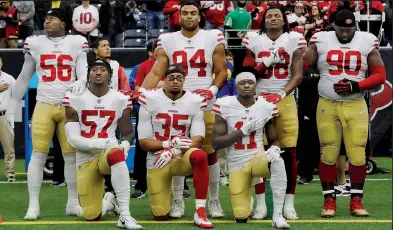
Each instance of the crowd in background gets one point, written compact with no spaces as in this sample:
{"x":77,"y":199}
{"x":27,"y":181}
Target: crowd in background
{"x":20,"y":19}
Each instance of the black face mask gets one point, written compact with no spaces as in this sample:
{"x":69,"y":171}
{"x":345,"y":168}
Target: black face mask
{"x":241,"y":5}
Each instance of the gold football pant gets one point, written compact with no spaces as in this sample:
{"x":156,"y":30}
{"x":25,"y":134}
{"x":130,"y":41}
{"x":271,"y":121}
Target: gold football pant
{"x":287,"y":122}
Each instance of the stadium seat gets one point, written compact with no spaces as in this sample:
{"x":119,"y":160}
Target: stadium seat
{"x":20,"y":43}
{"x":155,"y":33}
{"x":141,"y":24}
{"x":143,"y":16}
{"x":128,"y":43}
{"x":151,"y":40}
{"x":138,"y":33}
{"x":165,"y":24}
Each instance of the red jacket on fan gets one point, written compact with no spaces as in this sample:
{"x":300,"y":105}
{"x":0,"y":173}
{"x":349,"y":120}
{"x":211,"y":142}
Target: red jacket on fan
{"x":217,"y":13}
{"x":172,"y":10}
{"x":12,"y":29}
{"x":256,"y":20}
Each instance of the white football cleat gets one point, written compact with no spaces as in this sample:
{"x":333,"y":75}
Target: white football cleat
{"x":279,"y":222}
{"x":223,"y":181}
{"x":289,"y":211}
{"x":215,"y":209}
{"x":74,"y":211}
{"x":128,"y":222}
{"x":109,"y":204}
{"x":32,"y":214}
{"x":177,"y":209}
{"x":200,"y":218}
{"x":259,"y":214}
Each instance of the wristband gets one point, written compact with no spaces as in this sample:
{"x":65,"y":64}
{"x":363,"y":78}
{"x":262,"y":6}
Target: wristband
{"x":166,"y":144}
{"x":214,"y":90}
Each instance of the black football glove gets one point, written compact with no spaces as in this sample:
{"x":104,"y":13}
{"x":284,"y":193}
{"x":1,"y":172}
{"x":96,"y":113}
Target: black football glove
{"x":346,"y":86}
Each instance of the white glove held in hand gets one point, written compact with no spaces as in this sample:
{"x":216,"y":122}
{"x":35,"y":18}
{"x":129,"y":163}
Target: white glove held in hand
{"x":78,"y":87}
{"x":181,"y":142}
{"x":252,"y":126}
{"x":99,"y":144}
{"x":125,"y":145}
{"x":273,"y":153}
{"x":164,"y":157}
{"x":274,"y":58}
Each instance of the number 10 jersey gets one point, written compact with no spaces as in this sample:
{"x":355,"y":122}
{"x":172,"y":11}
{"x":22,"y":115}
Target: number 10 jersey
{"x":236,"y":115}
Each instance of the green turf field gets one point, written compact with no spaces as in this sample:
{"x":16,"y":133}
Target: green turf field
{"x":378,"y":201}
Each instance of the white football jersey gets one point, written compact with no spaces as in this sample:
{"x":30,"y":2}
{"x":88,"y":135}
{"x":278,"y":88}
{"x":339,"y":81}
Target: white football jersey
{"x":98,"y":116}
{"x":84,"y":18}
{"x":55,"y":64}
{"x":171,"y":118}
{"x":194,"y":54}
{"x":276,"y":76}
{"x":235,"y":114}
{"x":337,"y":61}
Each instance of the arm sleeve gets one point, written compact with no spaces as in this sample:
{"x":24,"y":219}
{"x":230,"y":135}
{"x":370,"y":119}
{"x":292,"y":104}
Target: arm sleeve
{"x":145,"y":129}
{"x":198,"y":126}
{"x":123,"y":81}
{"x":81,"y":66}
{"x":22,"y":83}
{"x":220,"y":38}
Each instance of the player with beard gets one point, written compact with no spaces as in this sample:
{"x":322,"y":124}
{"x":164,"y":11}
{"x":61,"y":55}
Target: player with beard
{"x":239,"y":126}
{"x":174,"y":148}
{"x":198,"y":52}
{"x":343,"y":58}
{"x":276,"y":54}
{"x":58,"y":59}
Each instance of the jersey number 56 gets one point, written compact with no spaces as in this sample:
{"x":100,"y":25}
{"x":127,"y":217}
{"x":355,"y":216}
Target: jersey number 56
{"x":60,"y":70}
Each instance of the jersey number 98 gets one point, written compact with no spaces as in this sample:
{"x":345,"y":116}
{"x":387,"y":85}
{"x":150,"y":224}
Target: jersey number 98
{"x":60,"y":70}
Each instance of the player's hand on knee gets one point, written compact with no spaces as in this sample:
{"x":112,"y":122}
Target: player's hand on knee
{"x":206,"y":93}
{"x":273,"y":153}
{"x":164,"y":157}
{"x":252,"y":126}
{"x":99,"y":144}
{"x":125,"y":145}
{"x":78,"y":87}
{"x":181,"y":142}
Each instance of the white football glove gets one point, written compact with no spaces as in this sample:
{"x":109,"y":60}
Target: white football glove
{"x":273,"y":153}
{"x":274,"y":58}
{"x":79,"y":87}
{"x":181,"y":142}
{"x":99,"y":144}
{"x":252,"y":126}
{"x":165,"y":156}
{"x":125,"y":145}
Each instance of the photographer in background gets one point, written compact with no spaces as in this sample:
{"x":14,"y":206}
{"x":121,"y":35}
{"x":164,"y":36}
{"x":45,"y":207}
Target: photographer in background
{"x":9,"y":24}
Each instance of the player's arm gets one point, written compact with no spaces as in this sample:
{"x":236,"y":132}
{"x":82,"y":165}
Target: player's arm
{"x":197,"y":130}
{"x":81,"y":67}
{"x":157,"y":71}
{"x":271,"y":135}
{"x":296,"y":72}
{"x":126,"y":126}
{"x":22,"y":82}
{"x":220,"y":138}
{"x":73,"y":133}
{"x":145,"y":132}
{"x":377,"y":70}
{"x":310,"y":56}
{"x":219,"y":68}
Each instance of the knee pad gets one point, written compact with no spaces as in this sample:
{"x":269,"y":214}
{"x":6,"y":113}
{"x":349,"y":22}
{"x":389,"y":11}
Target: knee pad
{"x":38,"y":158}
{"x":356,"y":156}
{"x":198,"y":157}
{"x":115,"y":157}
{"x":329,"y":154}
{"x":41,"y":146}
{"x":242,"y":213}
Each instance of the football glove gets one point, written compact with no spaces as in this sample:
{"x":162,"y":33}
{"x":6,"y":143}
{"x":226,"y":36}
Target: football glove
{"x":346,"y":86}
{"x":181,"y":142}
{"x":273,"y":153}
{"x":275,"y":57}
{"x":208,"y":94}
{"x":252,"y":126}
{"x":132,"y":93}
{"x":125,"y":145}
{"x":79,"y":87}
{"x":164,"y":157}
{"x":274,"y":97}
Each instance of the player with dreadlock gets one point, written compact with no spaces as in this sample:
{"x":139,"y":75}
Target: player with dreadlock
{"x":276,"y":54}
{"x":59,"y":59}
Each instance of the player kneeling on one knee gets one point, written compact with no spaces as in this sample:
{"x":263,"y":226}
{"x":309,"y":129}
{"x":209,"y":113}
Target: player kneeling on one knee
{"x":92,"y":119}
{"x":239,"y":126}
{"x":171,"y":128}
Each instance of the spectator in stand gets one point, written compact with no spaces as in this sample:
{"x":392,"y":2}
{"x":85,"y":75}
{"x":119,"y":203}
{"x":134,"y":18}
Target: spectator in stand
{"x":9,"y":20}
{"x":112,"y":16}
{"x":132,"y":14}
{"x":324,"y":6}
{"x":289,"y":8}
{"x":256,"y":10}
{"x":26,"y":13}
{"x":314,"y":23}
{"x":216,"y":14}
{"x":155,"y":14}
{"x":375,"y":8}
{"x":388,"y":24}
{"x":336,"y":7}
{"x":39,"y":14}
{"x":274,"y":3}
{"x":85,"y":21}
{"x":172,"y":11}
{"x":297,"y":20}
{"x":54,"y":4}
